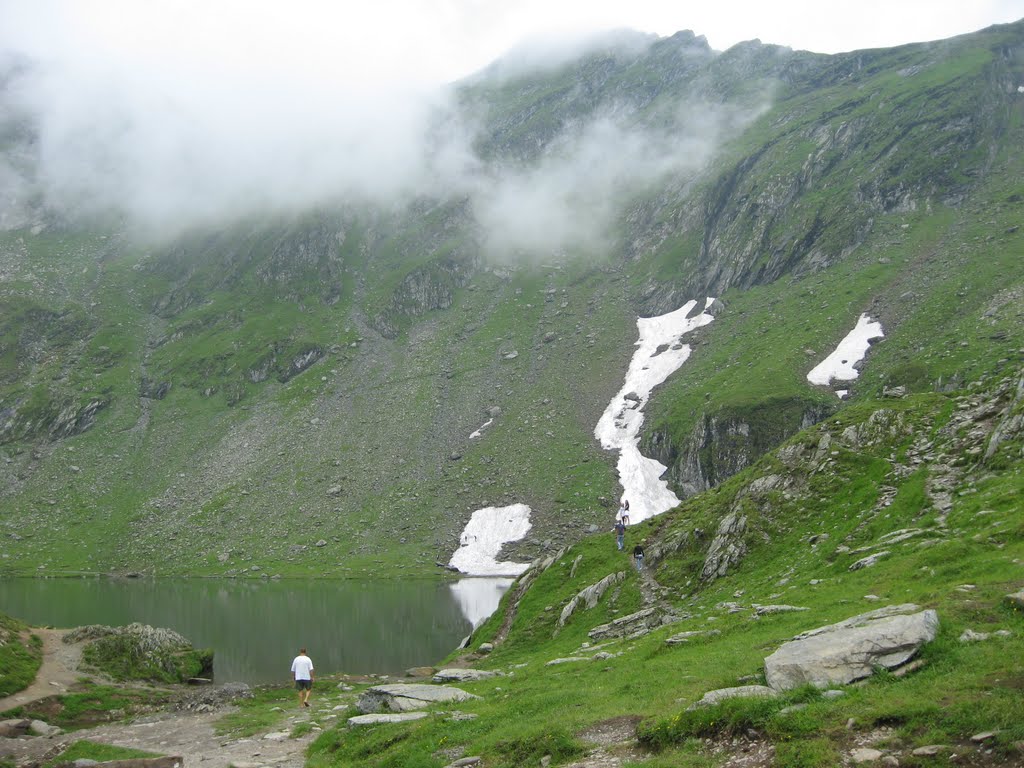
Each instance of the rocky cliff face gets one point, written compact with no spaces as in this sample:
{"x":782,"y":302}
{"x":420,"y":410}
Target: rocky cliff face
{"x":722,"y":444}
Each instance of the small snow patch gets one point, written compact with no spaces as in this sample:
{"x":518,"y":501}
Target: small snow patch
{"x":487,"y":531}
{"x":839,"y":366}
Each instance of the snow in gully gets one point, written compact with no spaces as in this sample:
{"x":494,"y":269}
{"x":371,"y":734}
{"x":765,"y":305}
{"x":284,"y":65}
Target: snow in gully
{"x":660,"y":352}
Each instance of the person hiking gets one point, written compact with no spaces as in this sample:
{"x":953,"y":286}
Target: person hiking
{"x":638,"y":556}
{"x":302,"y":670}
{"x":623,"y":513}
{"x":620,"y":534}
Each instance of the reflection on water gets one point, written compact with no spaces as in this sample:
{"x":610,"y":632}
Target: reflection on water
{"x":255,"y":628}
{"x":478,"y":598}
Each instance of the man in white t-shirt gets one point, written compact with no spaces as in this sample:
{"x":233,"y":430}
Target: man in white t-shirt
{"x":302,"y":669}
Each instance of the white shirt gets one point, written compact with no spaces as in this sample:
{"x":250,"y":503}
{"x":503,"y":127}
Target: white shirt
{"x":302,"y":666}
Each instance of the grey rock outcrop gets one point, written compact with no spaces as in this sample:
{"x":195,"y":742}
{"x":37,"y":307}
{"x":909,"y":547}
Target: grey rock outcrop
{"x":870,"y":560}
{"x":727,"y":549}
{"x":463,"y":675}
{"x":768,"y":610}
{"x":743,"y":691}
{"x":377,"y":719}
{"x":685,"y":637}
{"x":634,"y":625}
{"x":851,"y":649}
{"x":589,"y":597}
{"x":406,"y":697}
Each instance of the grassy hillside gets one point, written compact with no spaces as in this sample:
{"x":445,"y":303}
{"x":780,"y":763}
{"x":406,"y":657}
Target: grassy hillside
{"x":869,"y":480}
{"x":187,"y":407}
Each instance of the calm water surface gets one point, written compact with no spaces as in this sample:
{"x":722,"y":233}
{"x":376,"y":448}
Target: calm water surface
{"x":256,"y":628}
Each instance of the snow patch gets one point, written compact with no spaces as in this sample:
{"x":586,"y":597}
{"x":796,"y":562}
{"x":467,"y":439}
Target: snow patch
{"x":487,"y":531}
{"x":484,"y":426}
{"x":659,"y":353}
{"x":839,"y":366}
{"x":479,"y":598}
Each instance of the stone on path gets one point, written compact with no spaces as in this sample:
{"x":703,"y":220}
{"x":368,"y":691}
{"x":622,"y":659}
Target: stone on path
{"x":39,"y":728}
{"x":929,"y":751}
{"x":850,"y":650}
{"x":740,"y":692}
{"x":404,"y":697}
{"x":376,"y":719}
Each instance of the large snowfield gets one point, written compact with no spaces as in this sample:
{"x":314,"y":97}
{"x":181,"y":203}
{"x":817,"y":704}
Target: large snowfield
{"x":659,"y":353}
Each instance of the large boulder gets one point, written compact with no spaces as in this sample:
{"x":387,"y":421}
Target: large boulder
{"x":851,"y":649}
{"x":406,"y":697}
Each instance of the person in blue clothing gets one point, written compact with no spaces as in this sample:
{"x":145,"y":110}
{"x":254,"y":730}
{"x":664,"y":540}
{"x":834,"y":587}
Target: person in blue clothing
{"x":620,"y":534}
{"x":638,"y":556}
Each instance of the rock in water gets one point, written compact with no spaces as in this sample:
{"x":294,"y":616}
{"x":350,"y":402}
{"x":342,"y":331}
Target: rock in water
{"x":850,"y":650}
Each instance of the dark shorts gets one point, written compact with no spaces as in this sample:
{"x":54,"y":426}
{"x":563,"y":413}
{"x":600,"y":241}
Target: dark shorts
{"x":303,"y":685}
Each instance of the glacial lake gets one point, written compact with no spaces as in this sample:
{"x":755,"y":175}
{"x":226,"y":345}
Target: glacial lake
{"x":256,"y":627}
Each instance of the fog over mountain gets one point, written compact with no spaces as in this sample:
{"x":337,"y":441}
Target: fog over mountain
{"x":173,"y":139}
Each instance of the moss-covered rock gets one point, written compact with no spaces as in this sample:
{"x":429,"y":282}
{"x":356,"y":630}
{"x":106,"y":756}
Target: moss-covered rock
{"x":142,"y":652}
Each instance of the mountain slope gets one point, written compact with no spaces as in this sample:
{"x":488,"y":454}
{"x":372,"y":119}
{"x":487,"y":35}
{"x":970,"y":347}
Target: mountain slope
{"x":296,"y":394}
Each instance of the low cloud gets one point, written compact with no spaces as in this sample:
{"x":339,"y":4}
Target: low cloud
{"x":170,"y":142}
{"x":571,"y":199}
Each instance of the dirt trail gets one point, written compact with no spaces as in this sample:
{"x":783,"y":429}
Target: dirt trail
{"x":58,"y":672}
{"x":188,"y":734}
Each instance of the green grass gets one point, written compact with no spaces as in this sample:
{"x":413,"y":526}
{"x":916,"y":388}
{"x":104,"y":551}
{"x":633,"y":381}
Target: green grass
{"x":90,"y":750}
{"x":961,"y":690}
{"x":21,"y":654}
{"x":91,"y":705}
{"x":265,"y":711}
